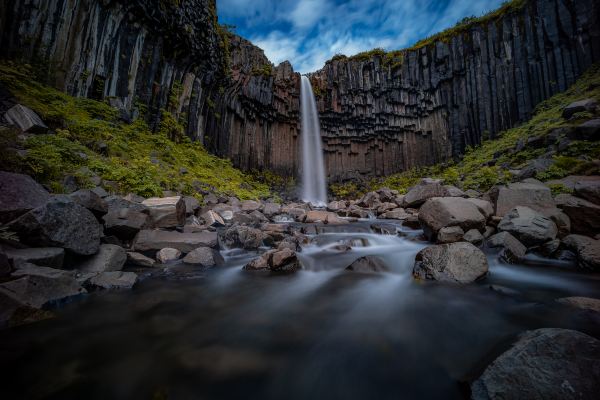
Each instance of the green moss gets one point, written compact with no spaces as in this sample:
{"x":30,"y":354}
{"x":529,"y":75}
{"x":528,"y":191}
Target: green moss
{"x":265,"y":70}
{"x":137,"y":160}
{"x":367,"y":55}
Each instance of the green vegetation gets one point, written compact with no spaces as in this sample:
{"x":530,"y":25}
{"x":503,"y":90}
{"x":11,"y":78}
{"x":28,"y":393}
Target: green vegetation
{"x":367,"y":55}
{"x":486,"y":165}
{"x":91,"y":140}
{"x":265,"y":70}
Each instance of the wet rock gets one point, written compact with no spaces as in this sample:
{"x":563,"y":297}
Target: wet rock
{"x":579,"y":106}
{"x":584,"y":215}
{"x":25,"y":119}
{"x":368,"y":264}
{"x":139,"y":260}
{"x":473,"y":236}
{"x":109,"y":258}
{"x":211,"y":218}
{"x":90,"y":200}
{"x":166,"y":212}
{"x":456,"y":262}
{"x":426,"y":189}
{"x":19,"y":194}
{"x":167,"y":255}
{"x":550,"y":248}
{"x":384,"y":207}
{"x":547,"y":363}
{"x":441,"y":212}
{"x":38,"y":287}
{"x":147,"y":240}
{"x":124,"y":223}
{"x":383,"y":228}
{"x":204,"y":256}
{"x":450,"y":234}
{"x":113,"y":280}
{"x":412,"y":222}
{"x":60,"y":223}
{"x":529,"y":226}
{"x":284,"y":260}
{"x":535,"y":196}
{"x":243,"y":237}
{"x":589,"y":189}
{"x":51,"y":257}
{"x":586,"y":249}
{"x":512,"y":250}
{"x":583,"y":303}
{"x":260,"y":263}
{"x":192,"y":205}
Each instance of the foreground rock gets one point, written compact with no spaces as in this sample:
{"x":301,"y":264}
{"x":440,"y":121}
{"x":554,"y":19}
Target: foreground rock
{"x":368,"y":264}
{"x":425,"y":190}
{"x":586,"y":249}
{"x":52,"y":257}
{"x":156,"y":240}
{"x":110,"y":257}
{"x":25,"y":119}
{"x":284,"y":260}
{"x":441,"y":212}
{"x":140,"y":260}
{"x":90,"y":200}
{"x":584,"y":215}
{"x":544,"y":364}
{"x":533,"y":195}
{"x":124,"y":223}
{"x":204,"y":256}
{"x":583,"y":303}
{"x":60,"y":223}
{"x":166,"y":212}
{"x":456,"y":262}
{"x":113,"y":280}
{"x":168,"y":255}
{"x":512,"y":250}
{"x":529,"y":226}
{"x":19,"y":194}
{"x":245,"y":237}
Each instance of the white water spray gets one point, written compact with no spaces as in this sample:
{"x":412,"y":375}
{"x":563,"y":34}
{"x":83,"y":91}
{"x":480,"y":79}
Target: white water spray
{"x":313,"y":170}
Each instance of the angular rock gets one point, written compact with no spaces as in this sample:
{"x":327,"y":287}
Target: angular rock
{"x":167,"y":255}
{"x":453,"y":191}
{"x":584,"y":215}
{"x":284,"y":260}
{"x":589,"y":189}
{"x":441,"y":212}
{"x":562,"y":221}
{"x":370,"y":200}
{"x":19,"y":194}
{"x":25,"y":119}
{"x":204,"y":256}
{"x":450,"y":234}
{"x":368,"y":264}
{"x":586,"y":249}
{"x":398,"y":213}
{"x":192,"y":205}
{"x":60,"y":223}
{"x":51,"y":257}
{"x":90,"y":200}
{"x":250,"y":205}
{"x":456,"y":262}
{"x":113,"y":280}
{"x":427,"y":189}
{"x":529,"y":226}
{"x":473,"y":236}
{"x":512,"y":250}
{"x":147,"y":240}
{"x":243,"y":237}
{"x":110,"y":258}
{"x":335,"y":206}
{"x":271,"y":209}
{"x":535,"y":196}
{"x":124,"y":223}
{"x":212,"y":218}
{"x":534,"y":167}
{"x":485,"y":207}
{"x":166,"y":212}
{"x":548,"y":363}
{"x":140,"y":260}
{"x":260,"y":263}
{"x":579,"y":106}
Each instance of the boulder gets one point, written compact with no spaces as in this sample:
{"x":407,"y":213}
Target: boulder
{"x":473,"y":236}
{"x":485,"y":207}
{"x":387,"y":195}
{"x":25,"y":119}
{"x":583,"y":303}
{"x":243,"y":237}
{"x":116,"y":203}
{"x":51,"y":257}
{"x":19,"y":194}
{"x":204,"y":256}
{"x":456,"y":262}
{"x":167,"y":255}
{"x":384,"y":229}
{"x":38,"y":287}
{"x":535,"y":196}
{"x":225,"y":211}
{"x":589,"y":189}
{"x":113,"y":280}
{"x":60,"y":222}
{"x":397,"y":213}
{"x":453,"y":191}
{"x":450,"y":234}
{"x":110,"y":258}
{"x":384,"y":207}
{"x":368,"y":264}
{"x":140,"y":260}
{"x":586,"y":249}
{"x":426,"y":189}
{"x":124,"y":223}
{"x":147,"y":240}
{"x":529,"y":226}
{"x":284,"y":260}
{"x":370,"y":200}
{"x":166,"y":212}
{"x":250,"y":205}
{"x":192,"y":205}
{"x":441,"y":212}
{"x":589,"y":130}
{"x":512,"y":250}
{"x":584,"y":215}
{"x":562,"y":221}
{"x":90,"y":200}
{"x":548,"y":363}
{"x":335,"y":206}
{"x":260,"y":263}
{"x":212,"y":218}
{"x":271,"y":209}
{"x":579,"y":106}
{"x":210,"y":199}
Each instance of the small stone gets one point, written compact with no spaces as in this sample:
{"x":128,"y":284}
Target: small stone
{"x":140,"y":260}
{"x":168,"y":255}
{"x":204,"y":256}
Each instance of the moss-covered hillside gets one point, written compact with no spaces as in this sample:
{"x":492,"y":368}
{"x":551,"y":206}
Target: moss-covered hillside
{"x":491,"y":162}
{"x":88,"y":140}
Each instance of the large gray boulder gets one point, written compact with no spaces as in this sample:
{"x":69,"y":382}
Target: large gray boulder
{"x":441,"y":212}
{"x":584,"y":215}
{"x":91,"y":201}
{"x":204,"y":256}
{"x":586,"y":249}
{"x":147,"y":240}
{"x":243,"y":237}
{"x":426,"y":189}
{"x":368,"y":264}
{"x":25,"y":119}
{"x":456,"y":262}
{"x":60,"y":222}
{"x":110,"y":258}
{"x":124,"y":223}
{"x":544,"y":364}
{"x":512,"y":250}
{"x":52,"y":257}
{"x":166,"y":212}
{"x":529,"y":226}
{"x":528,"y":194}
{"x":19,"y":194}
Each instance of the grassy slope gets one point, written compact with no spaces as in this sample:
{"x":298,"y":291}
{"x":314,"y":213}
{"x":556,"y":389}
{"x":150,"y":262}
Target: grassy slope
{"x":137,"y":160}
{"x":473,"y":173}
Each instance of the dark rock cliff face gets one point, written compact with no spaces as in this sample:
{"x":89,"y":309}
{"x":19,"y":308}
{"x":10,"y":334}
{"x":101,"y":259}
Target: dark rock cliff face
{"x":377,"y":117}
{"x":380,"y":119}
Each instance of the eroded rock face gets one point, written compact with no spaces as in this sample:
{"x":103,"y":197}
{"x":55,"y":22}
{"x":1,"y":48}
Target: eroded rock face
{"x":547,"y":363}
{"x":456,"y":262}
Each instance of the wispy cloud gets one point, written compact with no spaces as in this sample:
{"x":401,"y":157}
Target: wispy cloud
{"x":309,"y":32}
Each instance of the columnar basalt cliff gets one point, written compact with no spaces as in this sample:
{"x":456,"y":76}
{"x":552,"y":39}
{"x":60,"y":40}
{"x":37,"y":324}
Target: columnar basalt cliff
{"x":381,"y":114}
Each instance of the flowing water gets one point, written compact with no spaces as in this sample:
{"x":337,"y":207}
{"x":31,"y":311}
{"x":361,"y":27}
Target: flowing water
{"x":322,"y":332}
{"x":314,"y":188}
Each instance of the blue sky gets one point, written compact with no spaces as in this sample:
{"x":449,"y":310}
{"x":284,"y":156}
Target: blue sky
{"x":309,"y":32}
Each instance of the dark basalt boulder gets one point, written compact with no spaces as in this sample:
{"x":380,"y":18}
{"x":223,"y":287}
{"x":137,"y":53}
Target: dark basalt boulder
{"x":19,"y":194}
{"x":60,"y":223}
{"x":147,"y":240}
{"x":91,"y":201}
{"x":544,"y":364}
{"x":25,"y":119}
{"x":124,"y":223}
{"x":512,"y":250}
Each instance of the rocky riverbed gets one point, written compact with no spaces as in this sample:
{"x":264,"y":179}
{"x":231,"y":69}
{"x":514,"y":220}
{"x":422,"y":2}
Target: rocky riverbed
{"x":437,"y":293}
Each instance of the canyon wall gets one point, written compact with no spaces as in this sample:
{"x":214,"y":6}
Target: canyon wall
{"x":380,"y":113}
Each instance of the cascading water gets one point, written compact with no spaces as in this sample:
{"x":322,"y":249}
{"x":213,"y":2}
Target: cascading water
{"x":313,"y":170}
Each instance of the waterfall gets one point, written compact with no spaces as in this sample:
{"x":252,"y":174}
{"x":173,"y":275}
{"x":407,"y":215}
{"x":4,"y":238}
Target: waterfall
{"x":314,"y":188}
